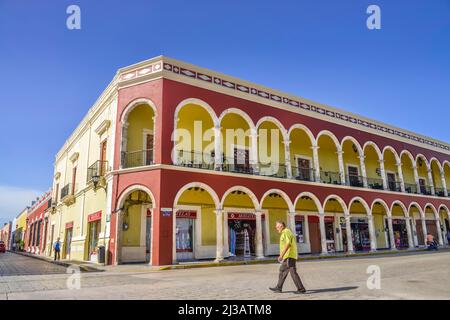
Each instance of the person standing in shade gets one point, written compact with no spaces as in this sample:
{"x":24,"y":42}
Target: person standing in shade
{"x":288,"y":258}
{"x":57,"y":248}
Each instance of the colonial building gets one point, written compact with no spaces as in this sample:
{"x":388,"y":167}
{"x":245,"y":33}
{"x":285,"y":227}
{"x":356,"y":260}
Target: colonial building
{"x":175,"y":162}
{"x":5,"y":234}
{"x":37,"y":228}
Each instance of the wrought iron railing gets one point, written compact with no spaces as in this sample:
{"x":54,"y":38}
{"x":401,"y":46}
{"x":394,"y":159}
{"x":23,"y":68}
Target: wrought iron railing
{"x":425,"y":190}
{"x":440,"y":192}
{"x":137,"y":158}
{"x":354,"y":181}
{"x":66,"y":190}
{"x":330,"y":177}
{"x":410,"y":188}
{"x":273,"y":169}
{"x":375,"y":183}
{"x":303,"y":173}
{"x":394,"y":186}
{"x":194,"y":159}
{"x":98,"y":168}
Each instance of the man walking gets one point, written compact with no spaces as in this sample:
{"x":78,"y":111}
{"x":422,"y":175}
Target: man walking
{"x":288,"y":258}
{"x":57,"y":248}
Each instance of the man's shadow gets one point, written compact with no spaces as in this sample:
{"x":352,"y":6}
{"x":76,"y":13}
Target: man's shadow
{"x":338,"y":289}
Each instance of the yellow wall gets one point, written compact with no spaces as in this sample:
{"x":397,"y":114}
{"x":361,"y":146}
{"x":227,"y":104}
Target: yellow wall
{"x":407,"y":170}
{"x":390,"y":164}
{"x":139,"y":119}
{"x":276,"y":155}
{"x":350,"y":157}
{"x":300,"y":145}
{"x":238,"y":133}
{"x":379,"y":228}
{"x":328,"y":158}
{"x":371,"y":162}
{"x":437,"y":181}
{"x":274,"y":215}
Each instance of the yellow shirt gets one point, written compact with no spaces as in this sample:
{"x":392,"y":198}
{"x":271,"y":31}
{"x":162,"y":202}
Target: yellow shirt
{"x":288,"y":237}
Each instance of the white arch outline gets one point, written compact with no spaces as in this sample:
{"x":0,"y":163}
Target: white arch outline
{"x":363,"y":203}
{"x":282,"y":194}
{"x":239,"y":112}
{"x":331,"y":136}
{"x":390,"y":148}
{"x":197,"y":184}
{"x":375,"y":147}
{"x":247,"y":191}
{"x":433,"y":208}
{"x":402,"y":205}
{"x":304,"y":128}
{"x":420,"y":155}
{"x":200,"y":103}
{"x":338,"y":199}
{"x":276,"y":122}
{"x":312,"y":196}
{"x":383,"y":204}
{"x":355,"y":142}
{"x":133,"y":104}
{"x":415,"y":204}
{"x":136,"y":187}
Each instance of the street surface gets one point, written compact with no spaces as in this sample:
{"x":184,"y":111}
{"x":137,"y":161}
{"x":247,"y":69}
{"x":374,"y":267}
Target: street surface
{"x":408,"y":276}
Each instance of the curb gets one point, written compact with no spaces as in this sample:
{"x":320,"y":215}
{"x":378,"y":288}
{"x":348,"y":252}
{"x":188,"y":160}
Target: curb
{"x":270,"y":261}
{"x":83,"y":268}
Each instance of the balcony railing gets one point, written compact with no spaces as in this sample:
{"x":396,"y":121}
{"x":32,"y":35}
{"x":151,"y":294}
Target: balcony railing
{"x":439,"y":192}
{"x":303,"y":173}
{"x":66,"y":191}
{"x":426,"y":190}
{"x":206,"y":161}
{"x":98,"y":168}
{"x":355,"y":181}
{"x":394,"y":186}
{"x":374,"y":183}
{"x":330,"y":177}
{"x":410,"y":188}
{"x":137,"y":158}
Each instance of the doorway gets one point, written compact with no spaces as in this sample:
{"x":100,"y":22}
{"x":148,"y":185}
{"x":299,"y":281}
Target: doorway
{"x":148,"y":236}
{"x":314,"y":234}
{"x":67,"y":243}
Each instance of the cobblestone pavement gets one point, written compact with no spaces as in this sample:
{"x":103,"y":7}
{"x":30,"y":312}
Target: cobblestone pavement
{"x":414,"y":276}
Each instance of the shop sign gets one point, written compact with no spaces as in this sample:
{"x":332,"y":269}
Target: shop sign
{"x":69,"y":225}
{"x":149,"y":213}
{"x":95,"y":216}
{"x":166,"y":212}
{"x":329,"y":219}
{"x":242,"y":216}
{"x":187,"y":214}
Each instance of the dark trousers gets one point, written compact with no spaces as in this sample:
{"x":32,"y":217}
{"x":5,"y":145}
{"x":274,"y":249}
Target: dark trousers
{"x":289,"y":266}
{"x":57,"y":255}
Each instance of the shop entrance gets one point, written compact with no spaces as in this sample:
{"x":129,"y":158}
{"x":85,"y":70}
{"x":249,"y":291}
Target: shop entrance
{"x":184,"y":234}
{"x":68,"y":242}
{"x":431,"y":228}
{"x":314,"y":234}
{"x":400,"y":233}
{"x":94,"y":233}
{"x":360,"y":234}
{"x":242,"y":234}
{"x":419,"y":230}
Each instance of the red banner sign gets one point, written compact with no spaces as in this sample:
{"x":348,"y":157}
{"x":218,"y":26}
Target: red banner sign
{"x":69,"y":225}
{"x":149,"y":213}
{"x":242,"y":216}
{"x":187,"y":214}
{"x":95,"y":216}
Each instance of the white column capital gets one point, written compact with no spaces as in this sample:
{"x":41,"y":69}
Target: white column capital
{"x":287,"y":142}
{"x":340,"y":152}
{"x":315,"y":147}
{"x":362,"y":157}
{"x":258,"y":213}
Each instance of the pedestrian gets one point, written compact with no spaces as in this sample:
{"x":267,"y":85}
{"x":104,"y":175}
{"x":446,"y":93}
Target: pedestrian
{"x":432,"y":245}
{"x":57,"y":248}
{"x":448,"y":237}
{"x":288,"y":258}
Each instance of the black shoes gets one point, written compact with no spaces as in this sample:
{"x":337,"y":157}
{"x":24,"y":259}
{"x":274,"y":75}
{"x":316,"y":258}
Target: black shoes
{"x":276,"y":289}
{"x":302,"y":291}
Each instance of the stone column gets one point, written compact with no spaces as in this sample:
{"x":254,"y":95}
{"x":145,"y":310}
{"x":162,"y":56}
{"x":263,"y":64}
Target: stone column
{"x":373,"y":238}
{"x":348,"y":230}
{"x":219,"y":234}
{"x":409,"y":232}
{"x":444,"y":183}
{"x":124,"y":145}
{"x":259,"y":242}
{"x":416,"y":178}
{"x":383,"y":174}
{"x":430,"y":180}
{"x":340,"y":154}
{"x":391,"y":233}
{"x":287,"y":158}
{"x":400,"y":177}
{"x":291,"y":216}
{"x":424,"y":230}
{"x":414,"y":230}
{"x":323,"y":238}
{"x":218,"y":159}
{"x":363,"y":170}
{"x":438,"y":226}
{"x":315,"y":150}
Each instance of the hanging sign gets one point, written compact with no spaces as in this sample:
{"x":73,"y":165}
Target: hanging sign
{"x":242,"y":216}
{"x":69,"y":225}
{"x":187,"y":214}
{"x":166,"y":212}
{"x":95,"y":216}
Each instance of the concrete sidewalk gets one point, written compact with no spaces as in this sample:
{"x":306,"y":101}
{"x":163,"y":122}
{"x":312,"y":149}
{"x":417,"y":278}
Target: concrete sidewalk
{"x":142,"y":268}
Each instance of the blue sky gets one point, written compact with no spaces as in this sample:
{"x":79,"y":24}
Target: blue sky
{"x":321,"y":50}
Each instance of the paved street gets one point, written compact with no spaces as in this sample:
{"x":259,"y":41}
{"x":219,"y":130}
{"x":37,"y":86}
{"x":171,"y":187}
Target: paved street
{"x":408,"y":276}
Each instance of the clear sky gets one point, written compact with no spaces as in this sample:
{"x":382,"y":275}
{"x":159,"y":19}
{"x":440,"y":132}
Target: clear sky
{"x":321,"y":50}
